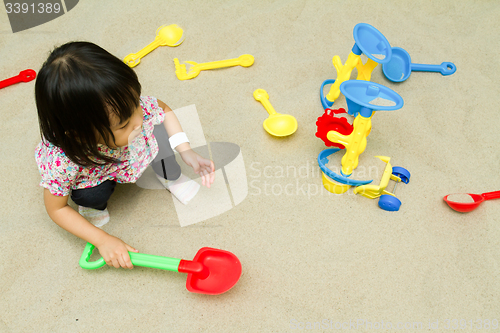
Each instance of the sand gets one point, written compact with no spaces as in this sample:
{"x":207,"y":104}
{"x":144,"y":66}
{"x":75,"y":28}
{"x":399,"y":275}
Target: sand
{"x":309,"y":257}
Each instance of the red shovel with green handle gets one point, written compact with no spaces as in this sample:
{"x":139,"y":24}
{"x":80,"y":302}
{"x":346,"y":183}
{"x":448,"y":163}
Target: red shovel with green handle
{"x":211,"y":272}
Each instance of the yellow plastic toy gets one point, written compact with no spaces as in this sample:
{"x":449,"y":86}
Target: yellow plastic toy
{"x":343,"y":74}
{"x":334,"y":187}
{"x":365,"y":70}
{"x":245,"y":60}
{"x":363,"y":98}
{"x":354,"y":143}
{"x":388,"y":200}
{"x":276,"y":124}
{"x":374,"y":191}
{"x":170,"y":35}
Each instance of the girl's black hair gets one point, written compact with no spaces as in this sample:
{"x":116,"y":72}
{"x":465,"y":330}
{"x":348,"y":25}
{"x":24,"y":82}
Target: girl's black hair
{"x":77,"y":88}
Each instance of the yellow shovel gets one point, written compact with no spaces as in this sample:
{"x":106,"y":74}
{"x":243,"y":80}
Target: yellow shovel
{"x":170,"y":35}
{"x":245,"y":60}
{"x":276,"y":124}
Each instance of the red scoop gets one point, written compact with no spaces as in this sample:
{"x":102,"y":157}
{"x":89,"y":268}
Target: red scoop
{"x":465,"y":207}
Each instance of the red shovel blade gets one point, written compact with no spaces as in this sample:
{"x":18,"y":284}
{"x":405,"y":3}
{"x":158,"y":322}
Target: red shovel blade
{"x":219,"y":271}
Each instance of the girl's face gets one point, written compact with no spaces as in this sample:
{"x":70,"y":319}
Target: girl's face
{"x":126,"y":131}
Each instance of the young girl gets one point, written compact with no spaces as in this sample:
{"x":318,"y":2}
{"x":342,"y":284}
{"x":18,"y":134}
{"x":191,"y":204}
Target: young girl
{"x":97,"y":131}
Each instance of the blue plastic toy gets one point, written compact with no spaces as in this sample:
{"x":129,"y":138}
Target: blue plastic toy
{"x":402,"y":173}
{"x":373,"y":44}
{"x":399,"y":67}
{"x":364,"y":97}
{"x":324,"y":102}
{"x":323,"y":161}
{"x":390,"y":202}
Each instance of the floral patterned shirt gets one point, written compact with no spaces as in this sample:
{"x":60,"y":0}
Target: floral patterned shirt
{"x":60,"y":175}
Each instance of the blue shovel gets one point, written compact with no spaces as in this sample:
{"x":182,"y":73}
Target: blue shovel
{"x":399,"y":68}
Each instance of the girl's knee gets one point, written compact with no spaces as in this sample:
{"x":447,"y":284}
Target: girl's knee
{"x":94,"y":197}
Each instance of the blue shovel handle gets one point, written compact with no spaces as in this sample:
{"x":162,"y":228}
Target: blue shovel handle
{"x":446,"y":68}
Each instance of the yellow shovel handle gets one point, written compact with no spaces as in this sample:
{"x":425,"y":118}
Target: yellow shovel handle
{"x":218,"y":64}
{"x":262,"y":96}
{"x":134,"y":59}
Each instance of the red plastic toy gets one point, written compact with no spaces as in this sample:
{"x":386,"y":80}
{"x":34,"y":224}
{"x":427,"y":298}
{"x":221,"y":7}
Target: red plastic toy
{"x":24,"y":76}
{"x":465,"y":207}
{"x":330,"y":122}
{"x":220,"y":271}
{"x":211,"y":272}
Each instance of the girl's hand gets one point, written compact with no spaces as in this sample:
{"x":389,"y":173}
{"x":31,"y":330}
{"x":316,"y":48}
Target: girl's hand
{"x":202,"y":166}
{"x":115,"y":252}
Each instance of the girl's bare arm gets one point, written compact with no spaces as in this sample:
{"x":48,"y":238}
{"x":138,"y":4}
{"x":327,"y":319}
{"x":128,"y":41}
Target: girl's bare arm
{"x":113,"y":250}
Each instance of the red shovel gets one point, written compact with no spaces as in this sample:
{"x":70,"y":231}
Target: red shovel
{"x":211,"y":272}
{"x":24,"y":76}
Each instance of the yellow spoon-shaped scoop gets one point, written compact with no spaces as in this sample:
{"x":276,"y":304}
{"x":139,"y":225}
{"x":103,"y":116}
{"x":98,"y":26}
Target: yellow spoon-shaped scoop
{"x":276,"y":124}
{"x":170,"y":35}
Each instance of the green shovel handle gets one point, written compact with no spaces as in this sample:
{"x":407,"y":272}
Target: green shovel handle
{"x":138,"y":259}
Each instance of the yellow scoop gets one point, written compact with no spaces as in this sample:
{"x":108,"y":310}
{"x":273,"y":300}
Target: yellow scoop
{"x":245,"y":60}
{"x":170,"y":35}
{"x":277,"y":124}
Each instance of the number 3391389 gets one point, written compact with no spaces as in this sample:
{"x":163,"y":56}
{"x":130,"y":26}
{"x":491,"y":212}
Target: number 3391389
{"x":39,"y":8}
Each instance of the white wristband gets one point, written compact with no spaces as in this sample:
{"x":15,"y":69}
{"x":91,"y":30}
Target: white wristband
{"x":177,"y":139}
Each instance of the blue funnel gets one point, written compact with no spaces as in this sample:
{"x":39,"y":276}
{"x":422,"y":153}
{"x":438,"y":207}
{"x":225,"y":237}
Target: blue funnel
{"x":372,"y":43}
{"x":364,"y":97}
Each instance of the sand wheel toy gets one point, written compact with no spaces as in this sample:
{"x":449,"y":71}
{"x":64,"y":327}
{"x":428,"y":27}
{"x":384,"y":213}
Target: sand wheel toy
{"x":333,"y":120}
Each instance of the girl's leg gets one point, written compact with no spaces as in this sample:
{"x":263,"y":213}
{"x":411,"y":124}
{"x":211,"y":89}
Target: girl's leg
{"x":94,"y":197}
{"x":168,"y":170}
{"x":92,"y":202}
